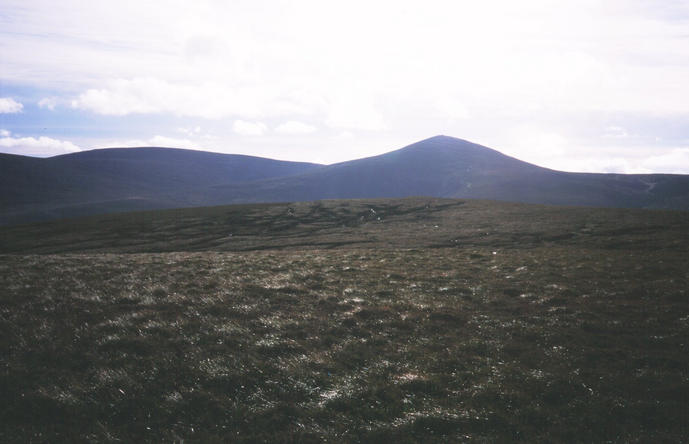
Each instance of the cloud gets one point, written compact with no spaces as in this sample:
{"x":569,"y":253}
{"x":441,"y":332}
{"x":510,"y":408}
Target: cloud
{"x":48,"y":102}
{"x":249,"y":128}
{"x":620,"y":159}
{"x":9,"y":106}
{"x":584,"y":54}
{"x":134,"y":96}
{"x":452,"y":108}
{"x":190,"y":131}
{"x":174,"y":142}
{"x":532,"y":143}
{"x":355,"y":114}
{"x":675,"y":161}
{"x":295,"y":127}
{"x":39,"y":147}
{"x":4,"y":133}
{"x":210,"y":100}
{"x":615,"y":132}
{"x":554,"y":64}
{"x":601,"y":164}
{"x":156,"y":141}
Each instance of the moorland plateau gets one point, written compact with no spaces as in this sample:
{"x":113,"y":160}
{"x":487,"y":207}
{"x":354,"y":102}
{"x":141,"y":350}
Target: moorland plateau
{"x":374,"y":320}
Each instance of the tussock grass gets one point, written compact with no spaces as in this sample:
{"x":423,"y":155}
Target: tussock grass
{"x":562,"y":341}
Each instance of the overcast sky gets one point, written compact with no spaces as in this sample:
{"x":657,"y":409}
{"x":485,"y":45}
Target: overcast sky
{"x":574,"y":85}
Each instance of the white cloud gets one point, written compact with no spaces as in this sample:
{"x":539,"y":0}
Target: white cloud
{"x":674,"y":161}
{"x":615,"y":132}
{"x":249,"y":128}
{"x":459,"y":68}
{"x":9,"y":106}
{"x":190,"y":131}
{"x":142,"y":95}
{"x":583,"y":54}
{"x":40,"y":147}
{"x":155,"y":141}
{"x":533,"y":144}
{"x":452,"y":108}
{"x":48,"y":102}
{"x":295,"y":127}
{"x":601,"y":164}
{"x":4,"y":133}
{"x":620,"y":159}
{"x":210,"y":100}
{"x":355,"y":114}
{"x":173,"y":142}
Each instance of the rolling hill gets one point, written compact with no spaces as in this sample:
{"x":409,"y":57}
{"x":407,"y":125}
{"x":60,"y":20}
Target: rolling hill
{"x":123,"y":179}
{"x":116,"y":180}
{"x":444,"y":166}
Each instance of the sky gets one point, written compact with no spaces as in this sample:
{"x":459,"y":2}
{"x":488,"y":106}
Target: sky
{"x":586,"y":85}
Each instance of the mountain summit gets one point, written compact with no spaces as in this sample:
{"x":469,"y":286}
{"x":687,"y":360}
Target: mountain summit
{"x":445,"y":166}
{"x":112,"y":180}
{"x":439,"y":166}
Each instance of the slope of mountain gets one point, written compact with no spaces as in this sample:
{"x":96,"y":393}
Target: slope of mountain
{"x":115,"y":180}
{"x":123,"y":179}
{"x":448,"y":167}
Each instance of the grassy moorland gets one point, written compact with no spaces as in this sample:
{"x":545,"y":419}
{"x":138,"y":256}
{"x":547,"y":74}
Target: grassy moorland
{"x":356,"y":321}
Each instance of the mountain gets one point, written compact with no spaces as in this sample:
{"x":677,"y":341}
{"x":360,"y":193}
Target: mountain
{"x":448,"y":167}
{"x":123,"y":179}
{"x":114,"y":180}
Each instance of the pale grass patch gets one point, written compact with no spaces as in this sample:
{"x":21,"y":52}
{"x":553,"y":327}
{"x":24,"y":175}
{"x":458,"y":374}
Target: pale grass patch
{"x":125,"y":320}
{"x":59,"y":394}
{"x":210,"y":300}
{"x":148,"y":300}
{"x":357,"y":300}
{"x":345,"y":387}
{"x":108,"y":338}
{"x":352,"y":312}
{"x":537,"y":374}
{"x":173,"y":396}
{"x":154,"y":323}
{"x":270,"y":340}
{"x":435,"y":413}
{"x":328,"y":395}
{"x":246,"y":308}
{"x":275,"y":321}
{"x":229,"y":327}
{"x":109,"y":375}
{"x":276,"y":281}
{"x":409,"y":376}
{"x":214,"y":367}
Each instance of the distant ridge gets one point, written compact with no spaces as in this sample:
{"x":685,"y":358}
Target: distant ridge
{"x":127,"y":179}
{"x":123,"y":179}
{"x":443,"y":166}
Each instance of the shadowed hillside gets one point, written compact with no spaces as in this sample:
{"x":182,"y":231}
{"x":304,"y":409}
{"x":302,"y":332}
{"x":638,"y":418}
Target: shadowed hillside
{"x":448,"y":167}
{"x":116,"y":180}
{"x":123,"y":179}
